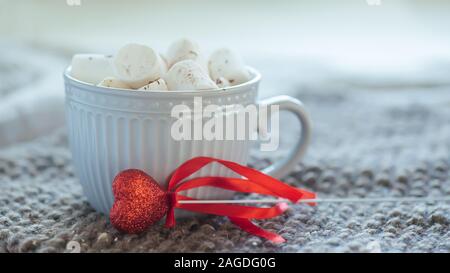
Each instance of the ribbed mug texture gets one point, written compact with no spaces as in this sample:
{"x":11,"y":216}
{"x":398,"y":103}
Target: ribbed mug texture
{"x":111,"y":130}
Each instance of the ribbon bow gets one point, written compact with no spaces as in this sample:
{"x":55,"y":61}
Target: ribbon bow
{"x":254,"y":182}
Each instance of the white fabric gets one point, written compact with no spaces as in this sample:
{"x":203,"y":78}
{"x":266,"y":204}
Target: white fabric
{"x":33,"y":108}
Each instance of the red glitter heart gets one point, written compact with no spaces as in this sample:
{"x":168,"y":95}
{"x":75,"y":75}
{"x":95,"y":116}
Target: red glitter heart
{"x":139,"y":201}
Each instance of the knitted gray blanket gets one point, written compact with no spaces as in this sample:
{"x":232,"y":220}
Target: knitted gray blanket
{"x":368,"y":141}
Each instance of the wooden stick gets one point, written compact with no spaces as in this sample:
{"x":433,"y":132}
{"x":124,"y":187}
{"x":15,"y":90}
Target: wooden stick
{"x":325,"y":200}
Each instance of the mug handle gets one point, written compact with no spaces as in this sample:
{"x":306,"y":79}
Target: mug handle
{"x":286,"y":103}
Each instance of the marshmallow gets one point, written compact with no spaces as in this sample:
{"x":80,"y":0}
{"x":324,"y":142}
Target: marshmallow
{"x":229,"y":65}
{"x":185,"y":49}
{"x":188,"y":75}
{"x":112,"y":82}
{"x":222,"y":82}
{"x":164,"y":59}
{"x":158,"y":85}
{"x":91,"y":68}
{"x":138,"y":65}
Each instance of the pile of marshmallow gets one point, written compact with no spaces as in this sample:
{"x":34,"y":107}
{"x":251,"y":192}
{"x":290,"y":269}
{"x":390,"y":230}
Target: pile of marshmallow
{"x":183,"y":67}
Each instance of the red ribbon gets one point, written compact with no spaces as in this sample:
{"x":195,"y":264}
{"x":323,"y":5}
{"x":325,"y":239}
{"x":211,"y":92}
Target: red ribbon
{"x":240,"y":215}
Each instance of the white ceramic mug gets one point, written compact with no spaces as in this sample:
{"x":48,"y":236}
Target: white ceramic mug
{"x":111,"y":130}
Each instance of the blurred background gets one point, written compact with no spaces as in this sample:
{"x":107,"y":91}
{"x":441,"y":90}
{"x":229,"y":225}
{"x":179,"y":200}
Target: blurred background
{"x":374,"y":76}
{"x":299,"y":46}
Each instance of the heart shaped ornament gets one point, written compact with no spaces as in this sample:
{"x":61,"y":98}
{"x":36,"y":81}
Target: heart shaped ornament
{"x":139,"y":201}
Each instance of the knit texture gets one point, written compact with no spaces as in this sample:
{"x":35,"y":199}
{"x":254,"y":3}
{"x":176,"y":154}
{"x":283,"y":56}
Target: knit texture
{"x":367,"y":142}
